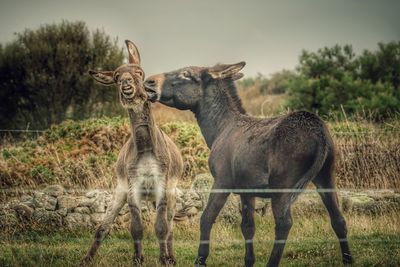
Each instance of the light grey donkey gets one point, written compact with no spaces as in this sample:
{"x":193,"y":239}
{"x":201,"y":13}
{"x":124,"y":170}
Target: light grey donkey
{"x":148,"y":165}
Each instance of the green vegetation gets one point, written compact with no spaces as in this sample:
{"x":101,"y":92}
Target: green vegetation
{"x":44,"y":76}
{"x":374,"y":242}
{"x":332,"y":82}
{"x":75,"y":152}
{"x":336,"y":80}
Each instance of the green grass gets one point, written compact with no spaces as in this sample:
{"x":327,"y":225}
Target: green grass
{"x":375,"y":241}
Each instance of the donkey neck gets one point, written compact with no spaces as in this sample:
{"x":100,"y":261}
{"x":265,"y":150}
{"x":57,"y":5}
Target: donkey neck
{"x":215,"y":112}
{"x":143,"y":128}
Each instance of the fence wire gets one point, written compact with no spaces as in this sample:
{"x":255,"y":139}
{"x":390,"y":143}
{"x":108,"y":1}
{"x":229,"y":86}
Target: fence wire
{"x":216,"y":191}
{"x":220,"y":241}
{"x":375,"y":131}
{"x":21,"y":131}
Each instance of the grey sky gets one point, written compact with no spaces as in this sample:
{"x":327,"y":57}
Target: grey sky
{"x":268,"y":35}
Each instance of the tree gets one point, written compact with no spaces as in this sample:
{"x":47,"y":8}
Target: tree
{"x":334,"y":79}
{"x":382,"y":65}
{"x":44,"y":74}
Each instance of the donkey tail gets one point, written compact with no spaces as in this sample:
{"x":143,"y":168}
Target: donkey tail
{"x":313,"y":171}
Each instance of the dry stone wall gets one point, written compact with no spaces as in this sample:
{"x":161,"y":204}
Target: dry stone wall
{"x":55,"y":206}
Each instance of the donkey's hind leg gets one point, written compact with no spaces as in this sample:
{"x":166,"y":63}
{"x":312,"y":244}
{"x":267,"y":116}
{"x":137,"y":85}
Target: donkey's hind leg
{"x":162,"y":228}
{"x":281,"y":209}
{"x":136,"y":226}
{"x":330,"y":200}
{"x":171,"y":207}
{"x":119,"y":199}
{"x":248,"y":228}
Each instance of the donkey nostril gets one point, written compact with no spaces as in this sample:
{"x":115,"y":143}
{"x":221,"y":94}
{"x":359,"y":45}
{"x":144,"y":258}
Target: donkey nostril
{"x":150,"y":82}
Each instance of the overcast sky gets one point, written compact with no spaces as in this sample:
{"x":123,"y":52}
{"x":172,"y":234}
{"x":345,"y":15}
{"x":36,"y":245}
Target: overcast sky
{"x":268,"y":35}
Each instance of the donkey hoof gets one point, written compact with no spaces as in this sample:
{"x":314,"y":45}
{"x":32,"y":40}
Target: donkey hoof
{"x":347,"y":259}
{"x":138,"y":260}
{"x":249,"y":263}
{"x":171,"y":260}
{"x":85,"y":261}
{"x":167,"y":260}
{"x":200,"y":262}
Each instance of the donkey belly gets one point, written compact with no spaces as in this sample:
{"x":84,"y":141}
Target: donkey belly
{"x":250,"y":169}
{"x":251,"y":178}
{"x":150,"y":183}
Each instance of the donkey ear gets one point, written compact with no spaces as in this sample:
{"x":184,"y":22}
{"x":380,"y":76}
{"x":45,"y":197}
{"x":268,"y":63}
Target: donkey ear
{"x":103,"y":77}
{"x":237,"y":76}
{"x":134,"y":56}
{"x":224,"y":71}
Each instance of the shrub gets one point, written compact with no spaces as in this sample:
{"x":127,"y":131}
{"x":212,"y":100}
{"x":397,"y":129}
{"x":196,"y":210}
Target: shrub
{"x":334,"y":79}
{"x":82,"y":154}
{"x":43,"y":75}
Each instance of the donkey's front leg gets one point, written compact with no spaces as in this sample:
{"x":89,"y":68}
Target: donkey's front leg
{"x":162,"y":227}
{"x":113,"y":209}
{"x":214,"y":205}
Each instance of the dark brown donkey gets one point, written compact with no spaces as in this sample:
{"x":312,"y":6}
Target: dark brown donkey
{"x":148,"y":165}
{"x":271,"y":157}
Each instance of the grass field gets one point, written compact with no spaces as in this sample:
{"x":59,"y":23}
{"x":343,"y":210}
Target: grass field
{"x":375,"y":241}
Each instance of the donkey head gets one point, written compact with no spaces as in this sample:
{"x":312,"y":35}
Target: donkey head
{"x":129,"y":79}
{"x":183,"y":88}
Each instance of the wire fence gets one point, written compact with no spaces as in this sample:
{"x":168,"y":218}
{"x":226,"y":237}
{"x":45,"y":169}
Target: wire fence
{"x":221,"y":190}
{"x":227,"y":241}
{"x":375,"y":131}
{"x":21,"y":131}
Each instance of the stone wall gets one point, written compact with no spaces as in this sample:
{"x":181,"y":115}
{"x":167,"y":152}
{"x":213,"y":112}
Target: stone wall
{"x":55,"y":206}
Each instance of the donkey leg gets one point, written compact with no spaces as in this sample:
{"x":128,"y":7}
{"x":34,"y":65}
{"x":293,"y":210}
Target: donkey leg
{"x":214,"y":205}
{"x":338,"y":222}
{"x":248,"y":228}
{"x":118,"y":201}
{"x":162,"y":229}
{"x":136,"y":229}
{"x":171,"y":206}
{"x":281,"y":209}
{"x":170,"y":247}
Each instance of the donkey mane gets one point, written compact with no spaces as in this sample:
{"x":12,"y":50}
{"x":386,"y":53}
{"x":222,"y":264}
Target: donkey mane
{"x":228,"y":85}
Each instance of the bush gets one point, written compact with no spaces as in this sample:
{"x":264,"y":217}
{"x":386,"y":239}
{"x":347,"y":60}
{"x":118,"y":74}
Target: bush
{"x":334,"y":79}
{"x":83,"y":153}
{"x":43,"y":75}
